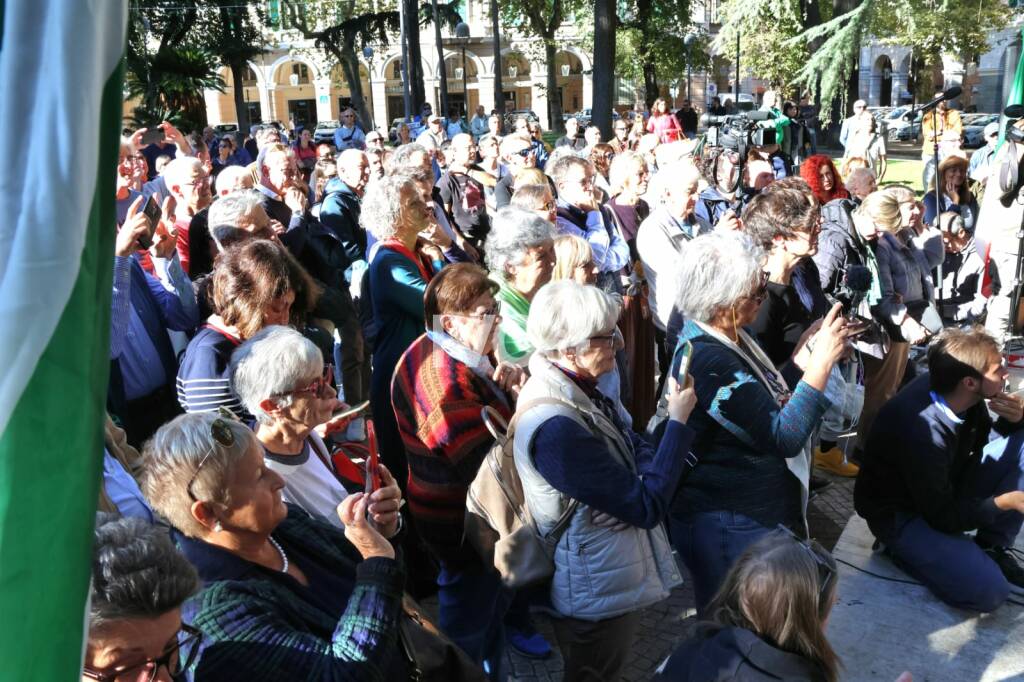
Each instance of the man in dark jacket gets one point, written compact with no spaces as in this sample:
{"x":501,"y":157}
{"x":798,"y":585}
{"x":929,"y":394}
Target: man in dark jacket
{"x":283,"y":200}
{"x":338,"y":246}
{"x":687,"y":117}
{"x":930,"y":474}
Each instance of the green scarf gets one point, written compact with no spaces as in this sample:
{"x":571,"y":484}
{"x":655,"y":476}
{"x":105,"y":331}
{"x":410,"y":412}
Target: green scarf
{"x":513,"y":344}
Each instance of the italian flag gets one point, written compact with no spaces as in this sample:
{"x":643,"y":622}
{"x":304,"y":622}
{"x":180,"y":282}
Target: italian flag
{"x":60,"y":117}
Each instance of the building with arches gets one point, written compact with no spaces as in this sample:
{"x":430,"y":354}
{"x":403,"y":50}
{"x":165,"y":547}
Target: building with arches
{"x":293,"y":82}
{"x":886,"y":77}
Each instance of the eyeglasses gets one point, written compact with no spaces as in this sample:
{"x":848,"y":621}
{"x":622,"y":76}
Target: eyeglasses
{"x":583,"y":182}
{"x":826,"y":570}
{"x":611,"y":340}
{"x":177,"y":660}
{"x":761,"y":292}
{"x":524,"y":153}
{"x":492,"y":312}
{"x":222,"y":435}
{"x":319,"y":386}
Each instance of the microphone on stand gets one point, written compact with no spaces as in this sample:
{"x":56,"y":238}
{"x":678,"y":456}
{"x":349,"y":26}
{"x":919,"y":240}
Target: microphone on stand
{"x":952,"y":93}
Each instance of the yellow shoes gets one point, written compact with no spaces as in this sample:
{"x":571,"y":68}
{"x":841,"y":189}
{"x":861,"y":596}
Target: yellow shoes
{"x":834,"y":462}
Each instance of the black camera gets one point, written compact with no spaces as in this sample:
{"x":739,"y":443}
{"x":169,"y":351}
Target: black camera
{"x":740,"y":132}
{"x":1014,"y":113}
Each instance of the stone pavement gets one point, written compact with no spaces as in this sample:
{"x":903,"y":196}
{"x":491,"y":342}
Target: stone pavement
{"x":666,"y":624}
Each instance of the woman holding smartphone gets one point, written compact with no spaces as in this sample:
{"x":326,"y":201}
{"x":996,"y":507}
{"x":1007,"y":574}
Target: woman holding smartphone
{"x":281,"y":379}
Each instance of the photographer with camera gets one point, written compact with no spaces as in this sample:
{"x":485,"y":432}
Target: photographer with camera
{"x":722,"y":202}
{"x":734,"y":142}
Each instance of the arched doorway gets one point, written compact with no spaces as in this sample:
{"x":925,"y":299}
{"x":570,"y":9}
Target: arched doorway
{"x":294,"y":96}
{"x":569,"y":81}
{"x":517,"y":82}
{"x":883,"y":73}
{"x":463,"y":92}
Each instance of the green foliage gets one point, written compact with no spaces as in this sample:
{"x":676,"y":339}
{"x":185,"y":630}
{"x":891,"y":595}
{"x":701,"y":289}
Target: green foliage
{"x":764,"y":27}
{"x":829,"y":67}
{"x":959,"y":27}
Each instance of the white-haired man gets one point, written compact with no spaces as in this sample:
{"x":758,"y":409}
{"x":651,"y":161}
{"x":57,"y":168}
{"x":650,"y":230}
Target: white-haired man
{"x":284,"y":200}
{"x":189,"y":186}
{"x":339,"y":245}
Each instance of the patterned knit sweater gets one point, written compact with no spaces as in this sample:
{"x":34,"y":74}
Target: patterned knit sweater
{"x":437,"y":401}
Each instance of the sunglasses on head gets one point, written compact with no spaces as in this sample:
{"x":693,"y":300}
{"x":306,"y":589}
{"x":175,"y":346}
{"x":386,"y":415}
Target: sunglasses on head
{"x":220,"y":431}
{"x":826,"y":571}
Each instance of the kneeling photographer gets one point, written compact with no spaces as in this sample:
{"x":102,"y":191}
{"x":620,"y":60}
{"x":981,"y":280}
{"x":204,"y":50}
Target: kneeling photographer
{"x":729,"y":143}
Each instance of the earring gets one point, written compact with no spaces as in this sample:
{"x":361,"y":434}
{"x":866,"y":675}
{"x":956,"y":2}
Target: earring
{"x":217,"y":527}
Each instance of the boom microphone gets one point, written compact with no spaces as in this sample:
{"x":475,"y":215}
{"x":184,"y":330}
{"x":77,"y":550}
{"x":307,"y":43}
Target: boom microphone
{"x":952,"y":93}
{"x":856,"y":285}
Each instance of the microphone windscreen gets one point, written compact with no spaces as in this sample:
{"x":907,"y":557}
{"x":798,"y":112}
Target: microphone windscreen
{"x":858,"y":278}
{"x":953,"y":92}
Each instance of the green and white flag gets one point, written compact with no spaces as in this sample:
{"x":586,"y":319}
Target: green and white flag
{"x":60,"y":113}
{"x":1016,"y":95}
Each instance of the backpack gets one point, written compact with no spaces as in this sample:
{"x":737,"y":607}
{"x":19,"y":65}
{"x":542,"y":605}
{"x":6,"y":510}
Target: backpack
{"x":498,"y":522}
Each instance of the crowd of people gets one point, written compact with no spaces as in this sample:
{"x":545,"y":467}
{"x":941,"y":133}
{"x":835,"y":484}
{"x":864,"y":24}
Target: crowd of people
{"x":664,"y":340}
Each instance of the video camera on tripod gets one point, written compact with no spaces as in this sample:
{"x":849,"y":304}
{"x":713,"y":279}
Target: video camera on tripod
{"x":740,"y":132}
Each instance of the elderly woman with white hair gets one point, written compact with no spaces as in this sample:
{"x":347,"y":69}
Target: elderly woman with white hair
{"x":598,"y":489}
{"x":394,"y":212}
{"x":521,"y":257}
{"x":285,"y":595}
{"x":280,"y":377}
{"x":753,"y":431}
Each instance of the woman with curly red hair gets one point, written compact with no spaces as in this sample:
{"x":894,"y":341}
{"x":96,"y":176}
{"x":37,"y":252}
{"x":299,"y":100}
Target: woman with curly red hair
{"x":820,"y":173}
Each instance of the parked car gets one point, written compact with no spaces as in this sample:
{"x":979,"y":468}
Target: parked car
{"x":908,"y":133}
{"x":974,"y":129}
{"x":584,"y":116}
{"x":324,"y":132}
{"x":895,"y":125}
{"x":225,"y":128}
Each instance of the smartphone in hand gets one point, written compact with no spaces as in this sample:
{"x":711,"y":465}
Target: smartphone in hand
{"x":152,"y":212}
{"x":154,"y":135}
{"x":686,"y":357}
{"x":372,"y":462}
{"x":351,"y":411}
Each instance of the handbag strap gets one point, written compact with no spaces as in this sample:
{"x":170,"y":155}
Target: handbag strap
{"x":552,"y":537}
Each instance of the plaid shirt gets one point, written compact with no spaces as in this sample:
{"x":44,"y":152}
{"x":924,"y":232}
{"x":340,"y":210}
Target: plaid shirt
{"x":260,"y":624}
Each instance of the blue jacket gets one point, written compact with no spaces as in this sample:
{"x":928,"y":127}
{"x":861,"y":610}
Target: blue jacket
{"x":711,"y":205}
{"x":743,"y":438}
{"x":338,"y":242}
{"x":157,"y":309}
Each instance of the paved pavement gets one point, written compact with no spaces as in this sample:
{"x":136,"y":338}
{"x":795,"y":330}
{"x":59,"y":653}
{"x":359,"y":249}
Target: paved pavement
{"x":666,"y":624}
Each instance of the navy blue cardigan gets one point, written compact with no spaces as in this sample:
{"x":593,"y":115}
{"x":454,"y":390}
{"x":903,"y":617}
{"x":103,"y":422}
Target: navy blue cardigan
{"x":743,"y":438}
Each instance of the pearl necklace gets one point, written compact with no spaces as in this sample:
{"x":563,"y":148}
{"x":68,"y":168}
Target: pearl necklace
{"x":284,"y":557}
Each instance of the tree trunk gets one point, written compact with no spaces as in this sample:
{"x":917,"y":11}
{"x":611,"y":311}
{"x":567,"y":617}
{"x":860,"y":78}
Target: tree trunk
{"x":499,"y":97}
{"x":412,"y":35}
{"x":350,"y":65}
{"x":443,"y":72}
{"x":643,"y":21}
{"x":651,"y":90}
{"x":555,"y":122}
{"x":241,"y":110}
{"x":604,"y":66}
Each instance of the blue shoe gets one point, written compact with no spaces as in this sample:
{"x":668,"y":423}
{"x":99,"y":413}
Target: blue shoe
{"x":532,"y":645}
